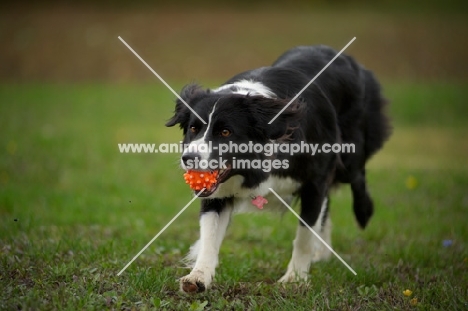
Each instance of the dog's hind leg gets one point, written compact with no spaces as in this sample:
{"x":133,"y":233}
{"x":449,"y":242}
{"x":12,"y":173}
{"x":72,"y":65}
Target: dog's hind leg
{"x":213,"y":225}
{"x":362,"y":203}
{"x":307,"y":248}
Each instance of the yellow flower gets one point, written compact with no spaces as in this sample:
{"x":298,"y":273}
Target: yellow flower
{"x":414,"y":301}
{"x":411,"y":182}
{"x":407,"y":293}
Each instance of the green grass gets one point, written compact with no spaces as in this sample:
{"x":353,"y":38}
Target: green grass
{"x":73,"y":211}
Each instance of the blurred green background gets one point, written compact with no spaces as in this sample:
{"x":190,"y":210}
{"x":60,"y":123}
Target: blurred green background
{"x":66,"y":43}
{"x":72,"y":206}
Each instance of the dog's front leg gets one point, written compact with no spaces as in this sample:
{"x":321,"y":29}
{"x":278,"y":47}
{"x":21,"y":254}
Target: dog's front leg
{"x":213,"y":225}
{"x":306,"y":247}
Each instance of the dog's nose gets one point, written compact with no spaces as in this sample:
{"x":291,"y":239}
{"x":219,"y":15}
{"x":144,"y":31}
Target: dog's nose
{"x":190,"y":157}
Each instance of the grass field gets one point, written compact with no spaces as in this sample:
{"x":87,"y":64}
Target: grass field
{"x":74,"y":211}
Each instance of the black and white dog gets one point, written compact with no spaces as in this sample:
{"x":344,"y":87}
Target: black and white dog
{"x":343,"y":105}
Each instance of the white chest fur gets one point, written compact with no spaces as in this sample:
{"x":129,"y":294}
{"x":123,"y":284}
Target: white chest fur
{"x":285,"y":187}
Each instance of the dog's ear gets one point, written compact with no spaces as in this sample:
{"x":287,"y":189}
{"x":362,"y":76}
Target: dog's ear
{"x":181,"y":112}
{"x":265,"y":109}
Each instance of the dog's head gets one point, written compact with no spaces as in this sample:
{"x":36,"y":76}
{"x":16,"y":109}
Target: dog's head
{"x":232,"y":121}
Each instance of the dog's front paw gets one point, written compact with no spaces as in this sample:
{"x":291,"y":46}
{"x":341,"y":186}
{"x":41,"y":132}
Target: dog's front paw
{"x":195,"y":282}
{"x":293,"y":276}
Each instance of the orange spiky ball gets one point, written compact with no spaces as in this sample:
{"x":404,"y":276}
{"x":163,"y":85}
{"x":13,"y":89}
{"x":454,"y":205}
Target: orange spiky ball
{"x":197,"y":180}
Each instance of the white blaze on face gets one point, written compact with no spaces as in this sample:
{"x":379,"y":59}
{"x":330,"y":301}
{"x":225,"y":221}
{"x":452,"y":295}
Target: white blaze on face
{"x":200,"y":146}
{"x":247,"y":87}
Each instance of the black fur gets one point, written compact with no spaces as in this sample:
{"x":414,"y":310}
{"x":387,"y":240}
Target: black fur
{"x":344,"y":104}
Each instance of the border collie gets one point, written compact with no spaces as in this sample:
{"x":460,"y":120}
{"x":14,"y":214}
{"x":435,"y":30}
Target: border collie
{"x":343,"y":105}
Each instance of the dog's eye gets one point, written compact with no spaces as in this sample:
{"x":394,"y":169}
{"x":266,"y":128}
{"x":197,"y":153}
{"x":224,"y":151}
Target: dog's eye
{"x":193,"y":129}
{"x":225,"y":133}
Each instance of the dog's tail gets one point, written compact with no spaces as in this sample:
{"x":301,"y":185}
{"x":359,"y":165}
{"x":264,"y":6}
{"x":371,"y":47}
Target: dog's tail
{"x":377,"y":130}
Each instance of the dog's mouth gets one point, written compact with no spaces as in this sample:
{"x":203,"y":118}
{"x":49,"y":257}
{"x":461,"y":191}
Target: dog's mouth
{"x":210,"y":185}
